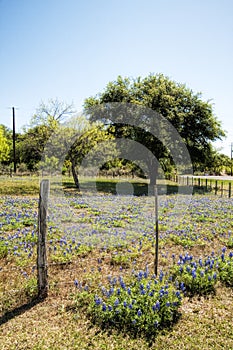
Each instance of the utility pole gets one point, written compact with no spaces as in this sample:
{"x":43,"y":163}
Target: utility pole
{"x":231,"y":156}
{"x":14,"y":153}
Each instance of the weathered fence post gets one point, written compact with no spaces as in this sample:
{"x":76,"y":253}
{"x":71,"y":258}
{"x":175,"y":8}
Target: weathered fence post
{"x":156,"y":230}
{"x":229,"y":194}
{"x":42,"y":268}
{"x":216,"y":187}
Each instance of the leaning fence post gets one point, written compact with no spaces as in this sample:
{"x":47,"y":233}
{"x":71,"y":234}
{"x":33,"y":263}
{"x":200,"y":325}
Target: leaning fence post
{"x":156,"y":231}
{"x":42,"y":267}
{"x":216,"y":187}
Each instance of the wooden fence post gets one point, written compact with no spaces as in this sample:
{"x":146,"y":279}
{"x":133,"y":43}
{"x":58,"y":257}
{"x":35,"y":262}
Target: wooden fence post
{"x":216,"y":187}
{"x":42,"y":267}
{"x":156,"y":231}
{"x":229,"y":194}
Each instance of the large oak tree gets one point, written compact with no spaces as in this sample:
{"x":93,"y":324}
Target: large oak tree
{"x":192,"y":117}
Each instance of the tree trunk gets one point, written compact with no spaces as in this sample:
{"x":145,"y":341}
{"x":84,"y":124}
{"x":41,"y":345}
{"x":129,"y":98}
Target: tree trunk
{"x":153,"y":170}
{"x":75,"y":176}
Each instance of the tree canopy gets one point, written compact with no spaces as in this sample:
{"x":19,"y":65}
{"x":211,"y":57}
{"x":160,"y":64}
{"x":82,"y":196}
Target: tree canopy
{"x":4,"y":145}
{"x":192,"y":117}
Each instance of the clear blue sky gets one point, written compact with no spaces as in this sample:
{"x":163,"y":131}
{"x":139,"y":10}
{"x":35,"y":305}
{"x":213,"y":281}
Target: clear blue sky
{"x":70,"y":50}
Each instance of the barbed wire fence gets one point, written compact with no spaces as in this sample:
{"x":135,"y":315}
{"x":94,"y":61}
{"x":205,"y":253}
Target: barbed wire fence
{"x":88,"y":265}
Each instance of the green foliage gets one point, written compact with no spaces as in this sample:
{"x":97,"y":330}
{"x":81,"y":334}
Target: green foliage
{"x":4,"y":146}
{"x":31,"y":145}
{"x":3,"y":250}
{"x":226,"y":270}
{"x":123,"y":260}
{"x":229,"y":243}
{"x":30,"y":287}
{"x":192,"y":117}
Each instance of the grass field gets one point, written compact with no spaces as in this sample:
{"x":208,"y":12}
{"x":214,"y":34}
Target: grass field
{"x":102,"y":237}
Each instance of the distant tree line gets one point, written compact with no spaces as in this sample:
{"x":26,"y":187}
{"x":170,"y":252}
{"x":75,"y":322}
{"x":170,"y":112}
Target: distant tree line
{"x":192,"y":117}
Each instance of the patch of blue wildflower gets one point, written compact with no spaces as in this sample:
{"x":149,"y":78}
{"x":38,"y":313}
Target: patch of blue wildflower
{"x":195,"y":277}
{"x":225,"y":268}
{"x":143,"y":305}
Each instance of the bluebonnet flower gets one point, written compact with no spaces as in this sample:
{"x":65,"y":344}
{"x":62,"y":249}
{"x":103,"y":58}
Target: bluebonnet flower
{"x":161,"y":275}
{"x":161,"y":292}
{"x":104,"y":307}
{"x":125,"y":304}
{"x":156,"y":306}
{"x":111,"y":291}
{"x":140,"y":275}
{"x":182,"y":286}
{"x":194,"y":273}
{"x":109,"y":308}
{"x":76,"y":283}
{"x":146,"y":273}
{"x":230,"y":255}
{"x":98,"y":301}
{"x":116,"y":303}
{"x":211,"y":264}
{"x":139,"y":313}
{"x":129,"y":291}
{"x":123,"y":286}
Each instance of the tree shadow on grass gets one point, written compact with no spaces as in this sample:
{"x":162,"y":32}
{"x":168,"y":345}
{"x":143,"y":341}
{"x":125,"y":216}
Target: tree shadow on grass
{"x":110,"y":187}
{"x":139,"y":188}
{"x":127,"y":331}
{"x":19,"y":310}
